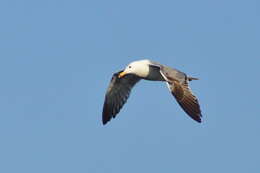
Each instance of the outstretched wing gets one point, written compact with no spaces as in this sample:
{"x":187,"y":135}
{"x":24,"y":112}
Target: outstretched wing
{"x":178,"y":84}
{"x":117,"y":94}
{"x":186,"y":99}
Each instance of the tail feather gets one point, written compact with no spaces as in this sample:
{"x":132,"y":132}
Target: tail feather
{"x":192,"y":78}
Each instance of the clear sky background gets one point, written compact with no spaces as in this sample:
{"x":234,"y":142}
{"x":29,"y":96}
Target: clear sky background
{"x":57,"y":58}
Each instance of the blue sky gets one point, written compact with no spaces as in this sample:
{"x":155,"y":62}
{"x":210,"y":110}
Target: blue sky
{"x":56,"y":61}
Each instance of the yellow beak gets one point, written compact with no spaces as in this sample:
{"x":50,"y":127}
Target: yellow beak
{"x":122,"y":74}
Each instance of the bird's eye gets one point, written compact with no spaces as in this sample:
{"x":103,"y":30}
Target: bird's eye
{"x":130,"y":66}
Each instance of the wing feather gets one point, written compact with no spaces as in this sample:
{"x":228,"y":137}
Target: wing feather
{"x":188,"y":101}
{"x":177,"y":82}
{"x":117,"y":94}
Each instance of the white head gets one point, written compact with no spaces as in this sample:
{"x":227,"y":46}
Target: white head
{"x":139,"y":68}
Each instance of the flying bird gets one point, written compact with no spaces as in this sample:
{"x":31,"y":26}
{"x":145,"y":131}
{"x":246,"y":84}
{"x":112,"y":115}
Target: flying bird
{"x":123,"y":81}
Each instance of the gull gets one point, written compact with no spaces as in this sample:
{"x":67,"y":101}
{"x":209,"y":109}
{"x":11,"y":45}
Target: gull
{"x":123,"y":81}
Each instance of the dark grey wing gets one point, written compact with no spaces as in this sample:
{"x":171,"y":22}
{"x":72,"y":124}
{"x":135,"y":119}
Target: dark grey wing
{"x":177,"y":82}
{"x":186,"y":99}
{"x":117,"y":94}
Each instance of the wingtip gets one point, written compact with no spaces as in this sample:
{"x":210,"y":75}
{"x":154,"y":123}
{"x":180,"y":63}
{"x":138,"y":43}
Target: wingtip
{"x":104,"y":122}
{"x":105,"y":114}
{"x":198,"y":118}
{"x":105,"y":119}
{"x":199,"y":121}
